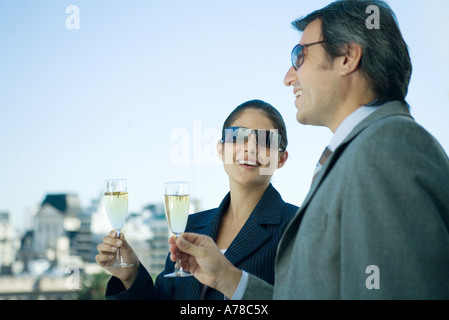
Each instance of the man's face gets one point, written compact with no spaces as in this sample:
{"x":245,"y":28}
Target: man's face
{"x":315,"y":83}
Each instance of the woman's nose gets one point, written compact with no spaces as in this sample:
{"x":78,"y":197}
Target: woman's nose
{"x":251,"y":144}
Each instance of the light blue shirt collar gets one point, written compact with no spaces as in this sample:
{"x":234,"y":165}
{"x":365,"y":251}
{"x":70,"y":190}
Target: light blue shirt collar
{"x":349,"y":124}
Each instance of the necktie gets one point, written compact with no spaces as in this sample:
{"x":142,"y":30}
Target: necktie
{"x":326,"y":154}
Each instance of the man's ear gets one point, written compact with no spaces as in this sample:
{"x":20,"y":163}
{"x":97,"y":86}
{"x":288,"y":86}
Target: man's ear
{"x":350,"y":62}
{"x":220,"y":149}
{"x":283,"y":156}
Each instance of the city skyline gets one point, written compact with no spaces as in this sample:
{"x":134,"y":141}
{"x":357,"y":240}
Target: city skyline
{"x":56,"y":258}
{"x":140,"y":91}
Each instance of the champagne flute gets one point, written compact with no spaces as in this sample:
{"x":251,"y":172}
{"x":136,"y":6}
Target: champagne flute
{"x":177,"y":211}
{"x":116,"y":203}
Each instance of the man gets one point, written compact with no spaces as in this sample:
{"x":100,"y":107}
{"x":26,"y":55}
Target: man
{"x":375,"y":224}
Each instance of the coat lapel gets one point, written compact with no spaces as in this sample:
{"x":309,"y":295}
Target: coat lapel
{"x":253,"y":233}
{"x":251,"y":237}
{"x":387,"y":110}
{"x":210,"y":223}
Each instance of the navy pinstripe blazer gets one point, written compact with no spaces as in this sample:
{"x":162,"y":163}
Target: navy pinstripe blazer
{"x":253,"y":250}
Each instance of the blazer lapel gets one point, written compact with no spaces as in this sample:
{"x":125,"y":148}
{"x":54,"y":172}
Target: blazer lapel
{"x":389,"y":109}
{"x":210,"y":223}
{"x":253,"y":235}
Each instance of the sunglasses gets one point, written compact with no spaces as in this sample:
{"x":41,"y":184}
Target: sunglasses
{"x":265,"y":138}
{"x":298,"y":54}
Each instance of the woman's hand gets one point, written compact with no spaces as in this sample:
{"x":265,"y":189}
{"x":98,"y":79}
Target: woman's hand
{"x":200,"y":256}
{"x":106,"y":257}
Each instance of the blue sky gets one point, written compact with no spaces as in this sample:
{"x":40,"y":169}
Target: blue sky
{"x":117,"y":97}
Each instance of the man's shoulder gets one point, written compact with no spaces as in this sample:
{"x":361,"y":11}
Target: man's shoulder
{"x":394,"y":141}
{"x":396,"y":131}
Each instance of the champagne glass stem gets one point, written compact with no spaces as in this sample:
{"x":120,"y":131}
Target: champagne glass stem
{"x":118,"y":257}
{"x":178,"y":266}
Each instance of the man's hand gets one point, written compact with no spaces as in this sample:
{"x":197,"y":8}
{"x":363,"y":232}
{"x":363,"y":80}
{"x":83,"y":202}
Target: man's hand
{"x":200,"y":256}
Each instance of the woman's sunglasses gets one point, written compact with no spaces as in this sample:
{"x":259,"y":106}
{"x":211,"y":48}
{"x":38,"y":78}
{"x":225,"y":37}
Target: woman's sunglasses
{"x":265,"y":138}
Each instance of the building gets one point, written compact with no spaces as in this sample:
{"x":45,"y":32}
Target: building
{"x":158,"y":244}
{"x":59,"y":252}
{"x":7,"y":251}
{"x":146,"y":231}
{"x":55,"y":226}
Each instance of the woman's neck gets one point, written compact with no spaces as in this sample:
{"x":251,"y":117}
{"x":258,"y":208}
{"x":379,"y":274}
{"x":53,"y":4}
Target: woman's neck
{"x":243,"y":200}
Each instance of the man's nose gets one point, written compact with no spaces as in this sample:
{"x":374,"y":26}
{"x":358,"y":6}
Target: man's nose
{"x":290,"y":77}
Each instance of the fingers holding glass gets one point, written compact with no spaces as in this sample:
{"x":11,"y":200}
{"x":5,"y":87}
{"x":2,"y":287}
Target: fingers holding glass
{"x":177,"y":203}
{"x":116,"y":203}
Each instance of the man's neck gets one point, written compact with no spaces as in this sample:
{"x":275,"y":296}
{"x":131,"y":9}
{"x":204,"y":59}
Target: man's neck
{"x":354,"y":91}
{"x":348,"y":124}
{"x":351,"y":104}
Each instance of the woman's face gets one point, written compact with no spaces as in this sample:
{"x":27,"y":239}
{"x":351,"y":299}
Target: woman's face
{"x":247,"y":162}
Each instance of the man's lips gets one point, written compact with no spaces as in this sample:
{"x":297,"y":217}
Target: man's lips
{"x":297,"y":92}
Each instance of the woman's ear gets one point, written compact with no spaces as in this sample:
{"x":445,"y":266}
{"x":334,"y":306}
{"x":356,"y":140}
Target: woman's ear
{"x":283,"y":156}
{"x":220,"y":149}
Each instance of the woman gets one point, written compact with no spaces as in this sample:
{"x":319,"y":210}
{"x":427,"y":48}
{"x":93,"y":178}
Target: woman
{"x":247,"y":225}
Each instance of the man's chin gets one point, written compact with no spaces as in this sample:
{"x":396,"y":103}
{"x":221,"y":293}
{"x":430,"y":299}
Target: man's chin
{"x":300,"y":118}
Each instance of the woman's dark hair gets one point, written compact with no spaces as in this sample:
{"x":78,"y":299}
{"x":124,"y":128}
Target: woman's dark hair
{"x":386,"y":62}
{"x":268,"y":110}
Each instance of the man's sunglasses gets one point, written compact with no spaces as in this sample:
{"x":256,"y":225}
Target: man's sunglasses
{"x":298,"y":54}
{"x":265,"y":138}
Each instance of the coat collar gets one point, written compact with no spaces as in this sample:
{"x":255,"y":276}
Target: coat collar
{"x":267,"y":211}
{"x":389,"y":109}
{"x":253,"y":234}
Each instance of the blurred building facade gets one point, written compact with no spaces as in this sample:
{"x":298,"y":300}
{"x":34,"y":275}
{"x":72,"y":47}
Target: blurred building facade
{"x":7,"y":246}
{"x":62,"y":245}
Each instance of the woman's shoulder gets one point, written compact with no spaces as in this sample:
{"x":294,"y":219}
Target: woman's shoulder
{"x":290,"y":207}
{"x":289,"y":210}
{"x":202,"y":217}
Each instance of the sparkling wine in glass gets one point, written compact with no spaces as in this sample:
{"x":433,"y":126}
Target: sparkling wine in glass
{"x":116,"y":203}
{"x":177,"y":204}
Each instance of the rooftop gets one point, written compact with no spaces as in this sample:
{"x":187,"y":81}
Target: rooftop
{"x":63,"y":202}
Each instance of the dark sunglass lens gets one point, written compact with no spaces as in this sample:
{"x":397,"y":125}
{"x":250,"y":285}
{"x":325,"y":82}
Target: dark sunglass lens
{"x":268,"y":139}
{"x":264,"y":138}
{"x":297,"y":56}
{"x":230,"y":135}
{"x":273,"y":140}
{"x":241,"y":135}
